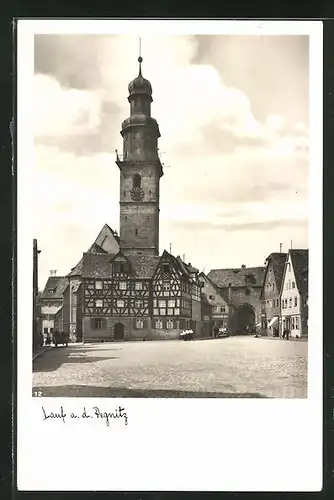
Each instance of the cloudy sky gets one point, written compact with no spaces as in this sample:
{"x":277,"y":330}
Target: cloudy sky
{"x":233,"y":116}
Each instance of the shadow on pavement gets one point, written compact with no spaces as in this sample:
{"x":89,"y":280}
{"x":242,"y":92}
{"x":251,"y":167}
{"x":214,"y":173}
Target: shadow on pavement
{"x":65,"y":391}
{"x":55,"y":357}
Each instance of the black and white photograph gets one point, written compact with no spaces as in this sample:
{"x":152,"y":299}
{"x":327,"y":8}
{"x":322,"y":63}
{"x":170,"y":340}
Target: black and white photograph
{"x":169,"y":213}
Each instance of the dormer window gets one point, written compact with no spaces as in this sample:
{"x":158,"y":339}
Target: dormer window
{"x":165,"y":268}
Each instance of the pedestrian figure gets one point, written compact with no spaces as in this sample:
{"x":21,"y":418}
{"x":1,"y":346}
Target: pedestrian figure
{"x":48,"y":339}
{"x":287,"y":334}
{"x":284,"y":333}
{"x":41,"y":339}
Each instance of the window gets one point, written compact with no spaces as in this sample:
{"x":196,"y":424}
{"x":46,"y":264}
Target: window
{"x":46,"y":331}
{"x":290,"y":302}
{"x":139,"y":323}
{"x":162,"y":303}
{"x":165,"y":268}
{"x":166,"y":286}
{"x":273,"y":286}
{"x":120,"y":303}
{"x":98,"y":303}
{"x":170,"y":312}
{"x":136,"y":181}
{"x":51,"y":330}
{"x":162,"y":312}
{"x":136,"y":232}
{"x":98,"y":323}
{"x":138,"y":303}
{"x":176,"y":311}
{"x":296,"y":301}
{"x":211,"y":297}
{"x":286,"y":303}
{"x":122,"y":285}
{"x":216,"y":309}
{"x":98,"y":285}
{"x":170,"y":324}
{"x":282,"y":303}
{"x":51,"y":290}
{"x":122,"y":268}
{"x":171,"y":303}
{"x":158,"y":324}
{"x":297,"y":323}
{"x":222,"y":309}
{"x":138,"y":285}
{"x":293,"y":284}
{"x":277,"y":302}
{"x":156,"y":312}
{"x":292,"y":323}
{"x":289,"y":267}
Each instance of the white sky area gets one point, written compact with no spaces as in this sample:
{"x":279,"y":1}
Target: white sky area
{"x":233,"y":117}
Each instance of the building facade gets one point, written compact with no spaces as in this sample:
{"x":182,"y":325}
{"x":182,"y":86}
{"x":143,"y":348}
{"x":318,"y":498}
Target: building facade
{"x":50,"y":301}
{"x":270,"y":294}
{"x":220,"y":307}
{"x":129,"y":291}
{"x":241,"y":288}
{"x":294,"y":294}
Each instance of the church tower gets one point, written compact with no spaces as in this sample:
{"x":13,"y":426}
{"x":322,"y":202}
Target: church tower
{"x":140,"y":172}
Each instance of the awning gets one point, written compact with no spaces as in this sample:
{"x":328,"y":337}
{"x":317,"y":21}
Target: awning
{"x":272,"y":321}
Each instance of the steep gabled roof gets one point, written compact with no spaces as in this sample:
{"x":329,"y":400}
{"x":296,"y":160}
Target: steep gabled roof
{"x":214,"y":286}
{"x":144,"y":266}
{"x":96,"y":265}
{"x":299,"y":259}
{"x":55,"y":287}
{"x":93,"y":249}
{"x":238,"y":277}
{"x":114,"y":233}
{"x":277,"y":261}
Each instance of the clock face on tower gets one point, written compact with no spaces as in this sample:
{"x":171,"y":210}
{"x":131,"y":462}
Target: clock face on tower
{"x":137,"y":193}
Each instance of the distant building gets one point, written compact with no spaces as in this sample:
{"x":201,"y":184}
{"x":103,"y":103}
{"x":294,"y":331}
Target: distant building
{"x":270,"y":293}
{"x":294,"y":294}
{"x":50,"y":301}
{"x":241,"y":288}
{"x":219,"y":304}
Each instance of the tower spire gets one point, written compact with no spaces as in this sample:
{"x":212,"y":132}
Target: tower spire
{"x":140,"y":59}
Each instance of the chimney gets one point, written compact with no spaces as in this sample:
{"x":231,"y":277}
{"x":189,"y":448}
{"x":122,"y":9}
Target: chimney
{"x":53,"y":272}
{"x":280,"y":248}
{"x":291,"y":244}
{"x":243,"y":266}
{"x":184,"y":257}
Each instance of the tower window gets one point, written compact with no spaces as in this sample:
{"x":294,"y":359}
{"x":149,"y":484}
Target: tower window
{"x":136,"y":232}
{"x":136,"y":181}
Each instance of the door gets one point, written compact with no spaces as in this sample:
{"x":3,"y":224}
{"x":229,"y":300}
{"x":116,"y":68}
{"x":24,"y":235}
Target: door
{"x":119,"y":331}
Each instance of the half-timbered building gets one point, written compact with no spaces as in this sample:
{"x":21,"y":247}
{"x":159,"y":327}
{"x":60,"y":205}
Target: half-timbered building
{"x":122,"y":288}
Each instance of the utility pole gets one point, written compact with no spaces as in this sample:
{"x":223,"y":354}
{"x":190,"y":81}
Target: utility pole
{"x":35,"y":333}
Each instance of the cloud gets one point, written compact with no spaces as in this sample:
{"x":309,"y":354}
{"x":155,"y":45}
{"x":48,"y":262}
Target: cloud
{"x":201,"y":225}
{"x":234,"y":129}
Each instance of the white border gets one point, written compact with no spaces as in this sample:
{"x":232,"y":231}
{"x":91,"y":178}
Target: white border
{"x":227,"y":444}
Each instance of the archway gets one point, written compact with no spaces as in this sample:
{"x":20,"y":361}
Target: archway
{"x":244,"y":319}
{"x":119,"y":331}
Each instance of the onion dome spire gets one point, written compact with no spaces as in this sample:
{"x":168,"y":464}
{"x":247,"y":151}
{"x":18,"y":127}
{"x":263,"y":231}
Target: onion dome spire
{"x":140,"y":85}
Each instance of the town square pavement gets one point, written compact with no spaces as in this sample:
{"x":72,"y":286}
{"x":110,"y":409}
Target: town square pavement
{"x":229,"y":367}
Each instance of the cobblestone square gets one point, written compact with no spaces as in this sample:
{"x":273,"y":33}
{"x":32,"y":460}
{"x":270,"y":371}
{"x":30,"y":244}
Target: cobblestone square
{"x":231,"y":367}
